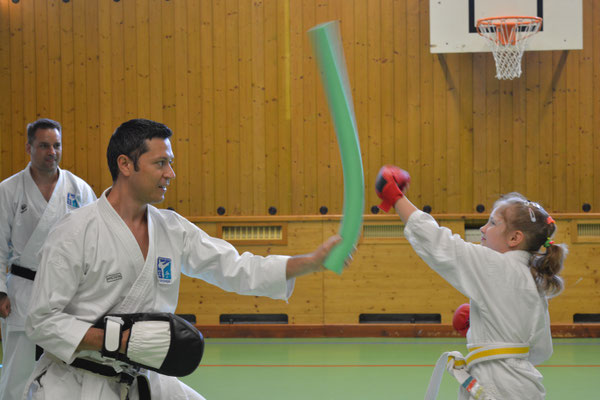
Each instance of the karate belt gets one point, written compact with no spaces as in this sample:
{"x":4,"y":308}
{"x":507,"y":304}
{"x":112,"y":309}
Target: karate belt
{"x":125,"y":378}
{"x":458,"y":366}
{"x":22,"y":272}
{"x":27,"y":274}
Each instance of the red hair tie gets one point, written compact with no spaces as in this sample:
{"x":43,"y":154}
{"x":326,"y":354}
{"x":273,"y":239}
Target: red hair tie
{"x":550,"y":220}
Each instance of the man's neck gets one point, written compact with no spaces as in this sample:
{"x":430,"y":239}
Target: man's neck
{"x":45,"y":181}
{"x":41,"y":177}
{"x":130,"y":210}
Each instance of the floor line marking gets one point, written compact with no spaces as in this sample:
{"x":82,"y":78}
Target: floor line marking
{"x":366,"y":366}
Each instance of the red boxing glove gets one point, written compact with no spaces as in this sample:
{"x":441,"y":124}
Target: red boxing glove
{"x":390,"y":183}
{"x":460,"y":321}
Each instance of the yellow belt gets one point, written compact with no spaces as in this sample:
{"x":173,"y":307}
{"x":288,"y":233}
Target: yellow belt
{"x":458,"y":366}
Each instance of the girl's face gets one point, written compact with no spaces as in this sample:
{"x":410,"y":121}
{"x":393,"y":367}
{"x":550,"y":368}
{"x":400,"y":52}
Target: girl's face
{"x":493,"y":234}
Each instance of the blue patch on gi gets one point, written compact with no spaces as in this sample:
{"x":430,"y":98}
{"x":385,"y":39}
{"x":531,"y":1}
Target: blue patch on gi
{"x":72,"y":200}
{"x":163,"y":269}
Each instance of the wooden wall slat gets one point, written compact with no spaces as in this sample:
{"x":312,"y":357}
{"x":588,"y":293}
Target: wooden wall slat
{"x":5,"y":88}
{"x":401,"y":82}
{"x":595,"y":44}
{"x":20,"y":94}
{"x":360,"y":91}
{"x":106,"y":127}
{"x":283,"y":151}
{"x":492,"y":130}
{"x":180,"y":124}
{"x":80,"y":90}
{"x":54,"y":60}
{"x":258,"y":107}
{"x":232,"y":107}
{"x":207,"y":159}
{"x":95,"y":164}
{"x":573,"y":132}
{"x":155,"y":55}
{"x":142,"y":64}
{"x":559,"y":112}
{"x":298,"y":40}
{"x":479,"y":131}
{"x":413,"y":67}
{"x":195,"y":107}
{"x":373,"y":90}
{"x":41,"y":73}
{"x":309,"y":127}
{"x":467,"y":149}
{"x":323,"y":128}
{"x":130,"y":58}
{"x":506,"y":134}
{"x":67,"y":87}
{"x":387,"y":24}
{"x":245,"y":106}
{"x":452,"y":170}
{"x":430,"y":182}
{"x":586,"y":106}
{"x":271,"y":134}
{"x":171,"y":82}
{"x":117,"y":67}
{"x":343,"y":11}
{"x":531,"y":61}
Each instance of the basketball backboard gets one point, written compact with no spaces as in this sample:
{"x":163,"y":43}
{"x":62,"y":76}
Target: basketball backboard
{"x":452,"y":23}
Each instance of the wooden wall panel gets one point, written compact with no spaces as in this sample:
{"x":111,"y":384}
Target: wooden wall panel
{"x":385,"y":276}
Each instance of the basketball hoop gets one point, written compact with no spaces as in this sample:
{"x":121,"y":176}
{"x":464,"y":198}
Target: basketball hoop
{"x":507,"y":37}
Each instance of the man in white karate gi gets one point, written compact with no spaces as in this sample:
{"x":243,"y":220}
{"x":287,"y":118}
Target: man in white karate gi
{"x":121,"y":255}
{"x":31,"y":201}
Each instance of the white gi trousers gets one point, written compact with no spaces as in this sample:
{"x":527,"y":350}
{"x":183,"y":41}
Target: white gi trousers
{"x":73,"y":383}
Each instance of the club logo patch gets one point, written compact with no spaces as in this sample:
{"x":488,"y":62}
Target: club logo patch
{"x":163,"y":270}
{"x":73,"y":200}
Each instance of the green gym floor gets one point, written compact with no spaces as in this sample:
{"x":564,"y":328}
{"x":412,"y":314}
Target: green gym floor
{"x":369,"y":368}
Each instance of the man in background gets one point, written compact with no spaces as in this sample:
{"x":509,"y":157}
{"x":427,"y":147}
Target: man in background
{"x":31,"y":201}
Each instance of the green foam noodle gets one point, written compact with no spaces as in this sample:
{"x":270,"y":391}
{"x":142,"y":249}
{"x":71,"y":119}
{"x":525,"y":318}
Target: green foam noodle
{"x":329,"y":53}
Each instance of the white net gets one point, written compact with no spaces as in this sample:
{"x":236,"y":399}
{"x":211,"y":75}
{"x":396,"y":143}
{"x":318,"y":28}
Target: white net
{"x":507,"y":38}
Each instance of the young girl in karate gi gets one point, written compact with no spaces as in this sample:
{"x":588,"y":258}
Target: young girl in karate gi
{"x":508,"y":278}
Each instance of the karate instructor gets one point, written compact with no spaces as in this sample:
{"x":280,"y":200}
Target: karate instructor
{"x":122,"y":255}
{"x":31,"y":201}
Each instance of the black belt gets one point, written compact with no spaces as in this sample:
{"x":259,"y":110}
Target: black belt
{"x":108,"y":371}
{"x":22,"y":272}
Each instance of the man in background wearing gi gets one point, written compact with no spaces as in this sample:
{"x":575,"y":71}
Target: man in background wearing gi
{"x":31,"y":201}
{"x":121,"y":255}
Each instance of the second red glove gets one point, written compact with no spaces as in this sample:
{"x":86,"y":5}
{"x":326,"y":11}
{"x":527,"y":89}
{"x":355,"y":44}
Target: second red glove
{"x":389,"y":184}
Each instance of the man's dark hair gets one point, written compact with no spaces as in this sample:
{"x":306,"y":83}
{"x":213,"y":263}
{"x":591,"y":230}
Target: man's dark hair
{"x":42,"y":123}
{"x":130,"y":139}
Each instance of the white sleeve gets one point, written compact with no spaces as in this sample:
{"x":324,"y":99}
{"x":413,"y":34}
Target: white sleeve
{"x":468,"y":267}
{"x":56,"y":282}
{"x":6,"y":222}
{"x":219,"y":263}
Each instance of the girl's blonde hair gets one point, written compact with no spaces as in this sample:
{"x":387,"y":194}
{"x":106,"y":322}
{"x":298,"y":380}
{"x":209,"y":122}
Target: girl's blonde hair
{"x":538,"y":228}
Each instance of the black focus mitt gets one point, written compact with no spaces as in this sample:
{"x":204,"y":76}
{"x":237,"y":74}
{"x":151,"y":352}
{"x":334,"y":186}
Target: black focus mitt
{"x":161,"y":342}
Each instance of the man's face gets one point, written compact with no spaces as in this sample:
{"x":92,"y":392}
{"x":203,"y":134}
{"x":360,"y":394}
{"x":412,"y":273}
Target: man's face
{"x":154,"y":172}
{"x":46,"y":150}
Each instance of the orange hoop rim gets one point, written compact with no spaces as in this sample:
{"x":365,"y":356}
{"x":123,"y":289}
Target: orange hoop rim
{"x":506,"y":28}
{"x":502,"y":20}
